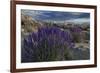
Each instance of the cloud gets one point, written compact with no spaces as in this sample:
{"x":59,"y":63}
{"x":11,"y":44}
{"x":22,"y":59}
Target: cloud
{"x":76,"y":13}
{"x":31,"y":12}
{"x":79,"y":20}
{"x":57,"y":15}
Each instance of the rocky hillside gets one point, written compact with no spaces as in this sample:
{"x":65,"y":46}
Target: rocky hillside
{"x":28,"y":24}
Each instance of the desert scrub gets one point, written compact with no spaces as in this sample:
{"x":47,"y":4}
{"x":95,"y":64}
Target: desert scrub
{"x":76,"y":32}
{"x":47,"y":44}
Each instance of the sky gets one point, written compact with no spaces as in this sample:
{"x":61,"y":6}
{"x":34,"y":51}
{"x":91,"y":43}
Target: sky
{"x":77,"y":17}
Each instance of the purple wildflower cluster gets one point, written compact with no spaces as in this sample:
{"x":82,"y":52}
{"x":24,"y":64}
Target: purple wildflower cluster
{"x":48,"y":44}
{"x":76,"y":29}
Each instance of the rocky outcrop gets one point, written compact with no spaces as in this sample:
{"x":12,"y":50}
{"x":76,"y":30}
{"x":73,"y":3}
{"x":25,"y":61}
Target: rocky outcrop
{"x":28,"y":24}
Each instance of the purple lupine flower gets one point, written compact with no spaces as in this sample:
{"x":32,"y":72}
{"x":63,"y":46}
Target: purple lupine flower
{"x":49,"y":43}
